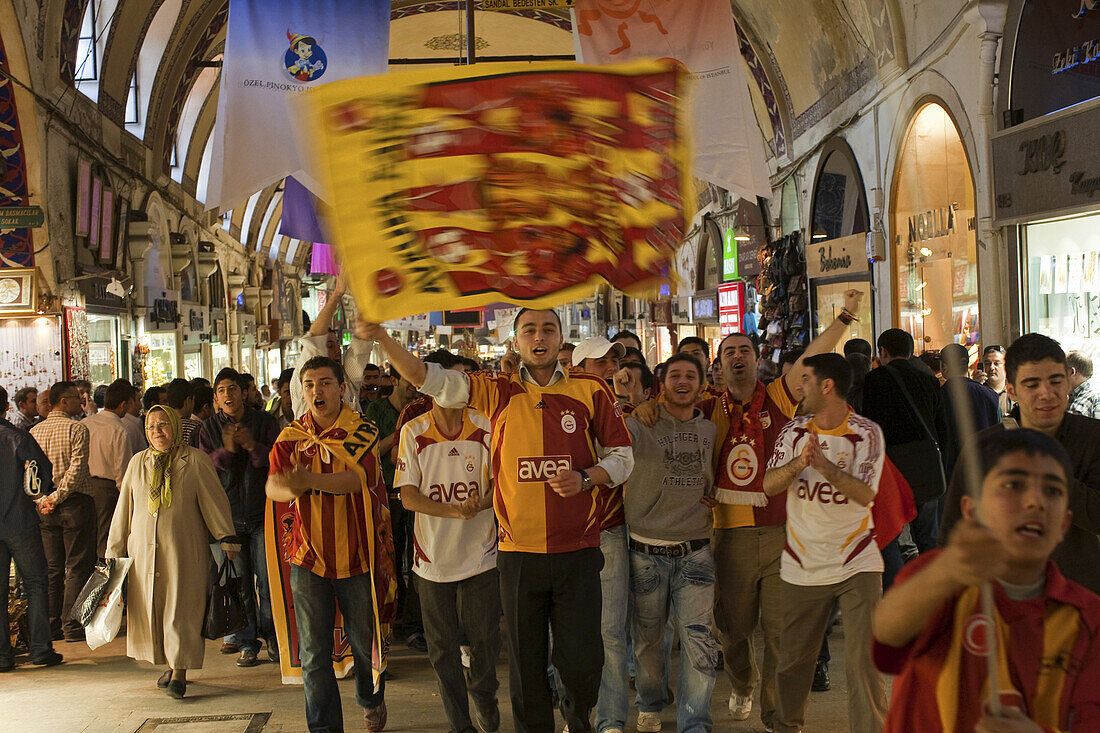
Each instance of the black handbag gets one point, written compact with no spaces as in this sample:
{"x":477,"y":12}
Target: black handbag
{"x":88,"y":601}
{"x":920,"y":461}
{"x":225,"y":606}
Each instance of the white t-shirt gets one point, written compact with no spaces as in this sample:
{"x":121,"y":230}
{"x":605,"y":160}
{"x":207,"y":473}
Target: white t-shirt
{"x":447,"y":470}
{"x":830,"y":537}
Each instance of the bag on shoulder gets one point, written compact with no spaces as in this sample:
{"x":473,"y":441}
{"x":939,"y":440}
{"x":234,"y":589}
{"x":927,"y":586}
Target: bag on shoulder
{"x":920,"y":461}
{"x":225,"y":606}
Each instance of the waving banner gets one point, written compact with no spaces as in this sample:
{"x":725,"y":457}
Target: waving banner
{"x":701,"y":35}
{"x":517,"y":182}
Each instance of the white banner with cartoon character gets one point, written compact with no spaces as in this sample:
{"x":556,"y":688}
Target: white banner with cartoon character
{"x":276,"y":50}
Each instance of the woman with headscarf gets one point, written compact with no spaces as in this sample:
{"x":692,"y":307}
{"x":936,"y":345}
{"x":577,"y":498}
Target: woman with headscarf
{"x":170,"y":502}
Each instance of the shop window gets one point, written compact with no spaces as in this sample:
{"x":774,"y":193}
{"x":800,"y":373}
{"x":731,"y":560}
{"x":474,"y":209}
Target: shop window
{"x":1063,"y":282}
{"x":709,"y":275}
{"x":935,"y":244}
{"x":1054,"y":64}
{"x":840,"y":206}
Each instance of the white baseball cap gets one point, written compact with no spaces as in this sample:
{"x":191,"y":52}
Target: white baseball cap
{"x":596,"y":347}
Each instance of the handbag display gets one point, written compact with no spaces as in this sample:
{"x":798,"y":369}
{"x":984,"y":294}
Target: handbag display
{"x":920,"y":461}
{"x":225,"y":606}
{"x":88,"y":601}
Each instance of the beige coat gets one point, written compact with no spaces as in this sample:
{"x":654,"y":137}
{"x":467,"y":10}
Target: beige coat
{"x":167,"y":585}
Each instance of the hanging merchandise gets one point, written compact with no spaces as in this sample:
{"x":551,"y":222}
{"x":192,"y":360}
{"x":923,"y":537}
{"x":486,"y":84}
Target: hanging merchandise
{"x":784,"y":322}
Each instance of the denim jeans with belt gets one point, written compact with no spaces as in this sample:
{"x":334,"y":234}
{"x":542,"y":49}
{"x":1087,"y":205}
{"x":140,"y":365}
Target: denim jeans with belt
{"x":315,"y":601}
{"x":681,"y":588}
{"x":24,"y":546}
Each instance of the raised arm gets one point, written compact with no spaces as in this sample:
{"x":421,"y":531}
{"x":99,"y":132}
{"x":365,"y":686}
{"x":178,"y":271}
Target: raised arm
{"x":827,"y":340}
{"x":409,"y":366}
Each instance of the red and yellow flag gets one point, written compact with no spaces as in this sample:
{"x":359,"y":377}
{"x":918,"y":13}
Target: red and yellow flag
{"x":525,"y":183}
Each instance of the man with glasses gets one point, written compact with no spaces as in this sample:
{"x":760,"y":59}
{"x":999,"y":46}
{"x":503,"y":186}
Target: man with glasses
{"x":68,"y":513}
{"x":238,"y":439}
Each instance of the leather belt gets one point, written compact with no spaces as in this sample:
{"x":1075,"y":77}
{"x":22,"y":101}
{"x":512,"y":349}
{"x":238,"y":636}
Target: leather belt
{"x":684,"y":548}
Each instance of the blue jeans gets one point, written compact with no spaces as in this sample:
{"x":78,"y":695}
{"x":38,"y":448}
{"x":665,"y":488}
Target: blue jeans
{"x":684,"y":588}
{"x":25,"y":547}
{"x":613,"y":704}
{"x":251,"y":565}
{"x":315,"y":600}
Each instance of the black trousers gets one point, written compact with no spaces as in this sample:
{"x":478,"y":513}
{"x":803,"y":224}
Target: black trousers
{"x":408,"y":600}
{"x":68,"y":537}
{"x":105,"y":495}
{"x":561,"y":592}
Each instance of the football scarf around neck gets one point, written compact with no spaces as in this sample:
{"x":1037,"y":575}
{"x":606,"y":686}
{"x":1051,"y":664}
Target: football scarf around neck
{"x":345,"y":441}
{"x":748,"y":453}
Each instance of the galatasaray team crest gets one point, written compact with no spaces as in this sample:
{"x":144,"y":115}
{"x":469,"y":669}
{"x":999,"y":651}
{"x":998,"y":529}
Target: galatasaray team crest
{"x":305,"y":60}
{"x":742,"y":465}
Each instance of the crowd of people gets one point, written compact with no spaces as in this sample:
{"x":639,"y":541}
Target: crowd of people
{"x":588,"y":513}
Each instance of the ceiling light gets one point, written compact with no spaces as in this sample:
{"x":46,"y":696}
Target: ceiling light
{"x":820,"y":236}
{"x":926,"y":312}
{"x":925,"y":252}
{"x":742,"y":238}
{"x":922,"y":286}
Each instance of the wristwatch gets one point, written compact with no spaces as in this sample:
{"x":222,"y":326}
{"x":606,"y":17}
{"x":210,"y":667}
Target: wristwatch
{"x":587,"y":484}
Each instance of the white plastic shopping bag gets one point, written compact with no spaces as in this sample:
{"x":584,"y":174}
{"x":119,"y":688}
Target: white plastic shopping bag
{"x":107,"y":619}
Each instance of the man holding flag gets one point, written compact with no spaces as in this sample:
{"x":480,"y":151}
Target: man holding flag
{"x":548,"y":478}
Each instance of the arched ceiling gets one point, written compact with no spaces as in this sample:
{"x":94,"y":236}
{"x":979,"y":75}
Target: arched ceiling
{"x":803,"y":58}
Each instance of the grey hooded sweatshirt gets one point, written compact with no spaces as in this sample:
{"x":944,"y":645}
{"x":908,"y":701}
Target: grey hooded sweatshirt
{"x":672,"y":471}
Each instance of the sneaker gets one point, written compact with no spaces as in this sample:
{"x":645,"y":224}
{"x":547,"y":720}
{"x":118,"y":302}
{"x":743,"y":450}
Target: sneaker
{"x":464,"y":652}
{"x":488,"y":721}
{"x":375,"y":718}
{"x":821,"y":677}
{"x":247,"y":658}
{"x":649,"y":722}
{"x":228,"y":648}
{"x":740,"y":706}
{"x":417,"y":642}
{"x":50,"y":660}
{"x":273,"y":652}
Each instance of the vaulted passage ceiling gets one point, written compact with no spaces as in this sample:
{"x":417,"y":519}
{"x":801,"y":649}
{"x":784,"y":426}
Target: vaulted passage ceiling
{"x":151,"y":65}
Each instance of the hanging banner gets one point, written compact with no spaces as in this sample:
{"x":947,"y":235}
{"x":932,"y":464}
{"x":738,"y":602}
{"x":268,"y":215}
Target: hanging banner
{"x":729,"y":150}
{"x":516,"y":182}
{"x":276,"y":50}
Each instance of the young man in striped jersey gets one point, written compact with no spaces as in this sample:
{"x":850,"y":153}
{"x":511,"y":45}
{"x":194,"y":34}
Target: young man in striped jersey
{"x":545,"y":424}
{"x":341,"y":544}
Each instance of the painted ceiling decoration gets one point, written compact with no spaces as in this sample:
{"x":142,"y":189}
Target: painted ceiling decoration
{"x":16,"y":245}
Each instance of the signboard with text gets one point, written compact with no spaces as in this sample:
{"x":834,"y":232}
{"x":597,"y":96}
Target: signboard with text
{"x":731,"y":307}
{"x":1047,"y":166}
{"x":840,"y":256}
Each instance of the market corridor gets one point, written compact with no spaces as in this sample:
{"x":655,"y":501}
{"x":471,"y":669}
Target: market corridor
{"x":105,"y":692}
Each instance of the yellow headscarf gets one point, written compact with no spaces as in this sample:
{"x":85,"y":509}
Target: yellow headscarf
{"x":160,"y":490}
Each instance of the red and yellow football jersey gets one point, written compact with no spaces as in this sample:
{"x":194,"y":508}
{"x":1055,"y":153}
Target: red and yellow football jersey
{"x":538,"y":431}
{"x":331,"y":533}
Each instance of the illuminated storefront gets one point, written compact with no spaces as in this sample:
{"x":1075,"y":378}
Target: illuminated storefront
{"x":935,"y":245}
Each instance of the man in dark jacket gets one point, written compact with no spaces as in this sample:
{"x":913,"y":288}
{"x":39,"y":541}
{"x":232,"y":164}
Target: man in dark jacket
{"x":884,"y":402}
{"x":21,"y":541}
{"x":238,"y":439}
{"x":965,"y":397}
{"x":1035,"y":367}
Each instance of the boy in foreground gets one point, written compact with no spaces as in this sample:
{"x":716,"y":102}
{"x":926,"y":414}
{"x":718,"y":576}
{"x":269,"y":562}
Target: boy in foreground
{"x":929,"y":629}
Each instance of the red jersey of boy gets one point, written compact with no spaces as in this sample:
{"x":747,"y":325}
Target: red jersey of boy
{"x":746,"y":439}
{"x":1048,"y":655}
